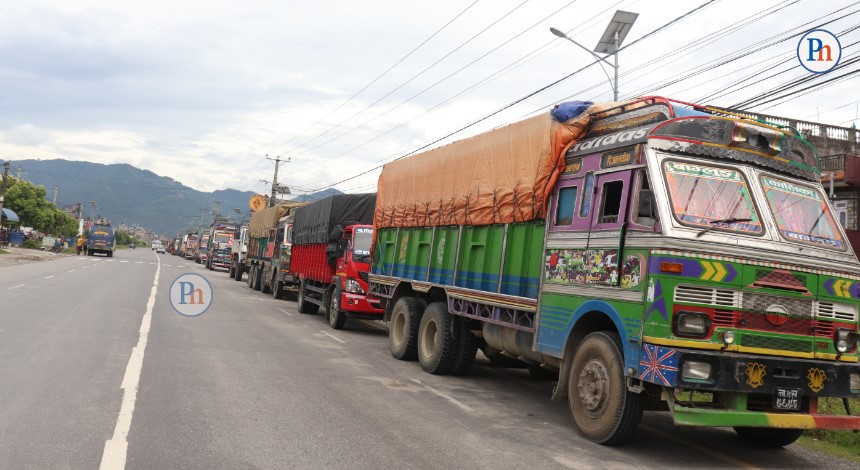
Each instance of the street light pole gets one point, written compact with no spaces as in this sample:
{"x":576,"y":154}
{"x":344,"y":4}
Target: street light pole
{"x":610,"y":43}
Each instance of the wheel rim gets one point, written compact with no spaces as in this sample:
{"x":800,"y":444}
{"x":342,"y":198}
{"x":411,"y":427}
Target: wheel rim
{"x":593,"y":387}
{"x":335,"y":310}
{"x":428,"y":340}
{"x":398,"y":329}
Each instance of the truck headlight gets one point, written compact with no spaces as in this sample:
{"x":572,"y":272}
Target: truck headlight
{"x":692,"y":324}
{"x":696,"y":371}
{"x":354,"y":287}
{"x":843,"y":340}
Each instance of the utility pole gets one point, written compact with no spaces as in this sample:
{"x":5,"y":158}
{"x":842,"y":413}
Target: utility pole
{"x":277,"y":161}
{"x":217,"y":208}
{"x":80,"y":218}
{"x":93,"y":212}
{"x":56,"y":190}
{"x":3,"y":187}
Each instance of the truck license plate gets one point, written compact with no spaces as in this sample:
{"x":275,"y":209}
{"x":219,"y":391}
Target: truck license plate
{"x":786,"y":398}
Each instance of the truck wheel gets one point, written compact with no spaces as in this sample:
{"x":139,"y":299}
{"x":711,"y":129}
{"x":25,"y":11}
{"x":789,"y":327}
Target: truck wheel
{"x":403,"y":328}
{"x":769,"y":437}
{"x":437,"y":340}
{"x":306,"y":307}
{"x":602,"y":408}
{"x":277,"y":289}
{"x":251,"y":273}
{"x":231,"y":272}
{"x":239,"y":271}
{"x":336,"y":317}
{"x":467,"y":347}
{"x":265,"y":287}
{"x":258,"y":279}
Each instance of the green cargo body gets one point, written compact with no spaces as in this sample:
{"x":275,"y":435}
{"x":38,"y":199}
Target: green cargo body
{"x":468,"y":257}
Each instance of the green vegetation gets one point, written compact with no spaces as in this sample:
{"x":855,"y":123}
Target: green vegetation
{"x":3,"y":252}
{"x":29,"y":202}
{"x":842,"y":443}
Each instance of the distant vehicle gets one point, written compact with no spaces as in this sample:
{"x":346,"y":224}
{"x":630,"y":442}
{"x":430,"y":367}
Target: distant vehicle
{"x":156,"y":244}
{"x":101,"y":239}
{"x":132,"y":246}
{"x":159,"y":249}
{"x":220,"y":245}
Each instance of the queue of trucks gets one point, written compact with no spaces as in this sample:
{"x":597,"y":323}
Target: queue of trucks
{"x":648,"y":254}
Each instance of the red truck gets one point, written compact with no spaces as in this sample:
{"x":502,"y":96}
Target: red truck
{"x":331,"y":241}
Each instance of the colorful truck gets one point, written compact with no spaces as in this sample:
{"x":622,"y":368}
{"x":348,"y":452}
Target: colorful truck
{"x":201,"y":254}
{"x":649,"y":251}
{"x":220,"y":245}
{"x":191,"y":247}
{"x":101,"y":239}
{"x":331,"y":241}
{"x":238,"y":252}
{"x":265,"y":243}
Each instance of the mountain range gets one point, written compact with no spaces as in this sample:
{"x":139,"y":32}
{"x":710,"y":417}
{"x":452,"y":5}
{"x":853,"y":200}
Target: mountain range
{"x":127,"y":195}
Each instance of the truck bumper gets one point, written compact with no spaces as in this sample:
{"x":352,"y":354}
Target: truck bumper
{"x":751,"y":390}
{"x":359,"y":305}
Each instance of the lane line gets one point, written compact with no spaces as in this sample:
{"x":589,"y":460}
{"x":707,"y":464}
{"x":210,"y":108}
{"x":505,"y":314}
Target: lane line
{"x":19,"y":285}
{"x":286,"y":312}
{"x":333,"y":337}
{"x":85,"y":267}
{"x":123,"y":261}
{"x":151,"y":263}
{"x":48,"y":277}
{"x":453,"y":400}
{"x":138,"y":262}
{"x":715,"y":454}
{"x":70,"y":271}
{"x":116,"y":449}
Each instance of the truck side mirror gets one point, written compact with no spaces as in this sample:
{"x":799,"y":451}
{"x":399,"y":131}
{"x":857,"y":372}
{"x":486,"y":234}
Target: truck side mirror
{"x":647,"y":212}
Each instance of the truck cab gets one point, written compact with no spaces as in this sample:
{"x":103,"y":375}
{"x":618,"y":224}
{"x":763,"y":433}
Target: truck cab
{"x":347,"y":297}
{"x":238,"y":251}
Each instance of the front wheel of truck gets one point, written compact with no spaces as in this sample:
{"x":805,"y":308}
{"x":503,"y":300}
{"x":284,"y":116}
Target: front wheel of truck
{"x":769,"y":437}
{"x":437,"y":340}
{"x":305,"y":306}
{"x":602,"y":408}
{"x":403,"y":328}
{"x":237,"y":275}
{"x":336,"y":317}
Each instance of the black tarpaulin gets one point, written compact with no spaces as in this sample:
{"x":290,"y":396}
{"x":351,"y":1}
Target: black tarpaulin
{"x":323,"y":221}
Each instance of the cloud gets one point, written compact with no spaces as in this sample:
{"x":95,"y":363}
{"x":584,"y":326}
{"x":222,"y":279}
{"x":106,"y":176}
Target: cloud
{"x":27,"y":135}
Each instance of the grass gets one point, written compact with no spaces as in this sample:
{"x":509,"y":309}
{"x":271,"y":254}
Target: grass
{"x":3,"y":252}
{"x":842,"y":443}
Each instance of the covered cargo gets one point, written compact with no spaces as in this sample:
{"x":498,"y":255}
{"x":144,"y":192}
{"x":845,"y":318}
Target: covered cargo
{"x":501,"y":176}
{"x":262,"y":221}
{"x":323,"y":221}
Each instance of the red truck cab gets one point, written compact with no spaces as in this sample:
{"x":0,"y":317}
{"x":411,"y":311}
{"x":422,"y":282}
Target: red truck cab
{"x":349,"y":293}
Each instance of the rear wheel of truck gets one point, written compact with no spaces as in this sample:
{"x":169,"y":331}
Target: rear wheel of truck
{"x":769,"y":437}
{"x":265,"y":287}
{"x":238,"y":274}
{"x":467,"y":347}
{"x":336,"y":317}
{"x":602,"y":408}
{"x":258,"y":279}
{"x":437,"y":340}
{"x":277,"y":289}
{"x":250,"y":275}
{"x":403,"y":328}
{"x":306,"y":307}
{"x":231,"y":271}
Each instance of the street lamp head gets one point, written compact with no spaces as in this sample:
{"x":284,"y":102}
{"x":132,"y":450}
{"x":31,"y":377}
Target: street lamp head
{"x":557,"y":32}
{"x":616,"y":31}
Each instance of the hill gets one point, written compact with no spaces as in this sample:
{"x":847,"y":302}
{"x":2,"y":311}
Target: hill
{"x":128,"y":195}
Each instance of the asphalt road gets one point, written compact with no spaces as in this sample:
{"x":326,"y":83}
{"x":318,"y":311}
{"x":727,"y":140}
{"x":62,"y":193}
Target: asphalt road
{"x":251,"y":383}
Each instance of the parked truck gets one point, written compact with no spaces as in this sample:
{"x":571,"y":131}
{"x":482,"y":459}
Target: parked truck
{"x":220,"y":245}
{"x":648,"y":251}
{"x":331,"y":241}
{"x":191,"y":247}
{"x":238,"y":252}
{"x":265,"y":242}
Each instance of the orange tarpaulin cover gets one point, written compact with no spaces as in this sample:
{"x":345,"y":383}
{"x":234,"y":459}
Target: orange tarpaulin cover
{"x":501,"y":176}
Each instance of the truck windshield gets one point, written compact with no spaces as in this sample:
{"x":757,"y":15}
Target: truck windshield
{"x":702,"y":196}
{"x":223,"y":238}
{"x":361,"y":240}
{"x":801,"y":213}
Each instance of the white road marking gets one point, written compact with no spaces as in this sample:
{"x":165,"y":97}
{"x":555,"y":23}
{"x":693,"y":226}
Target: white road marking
{"x":85,"y":267}
{"x":116,"y":449}
{"x":181,"y":266}
{"x":48,"y":277}
{"x":151,"y":263}
{"x":167,"y":265}
{"x":15,"y":287}
{"x":123,"y":261}
{"x":285,"y":312}
{"x":333,"y":337}
{"x":70,"y":271}
{"x":453,"y":400}
{"x":138,"y":262}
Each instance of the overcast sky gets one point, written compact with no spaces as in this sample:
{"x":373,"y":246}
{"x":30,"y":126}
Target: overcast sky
{"x":201,"y":91}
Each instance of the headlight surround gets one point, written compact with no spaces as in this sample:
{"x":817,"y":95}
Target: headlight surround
{"x":844,"y":340}
{"x":691,"y":324}
{"x":696,"y":371}
{"x":353,"y":286}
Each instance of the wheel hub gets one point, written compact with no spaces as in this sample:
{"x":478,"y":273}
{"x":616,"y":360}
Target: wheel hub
{"x":593,"y":386}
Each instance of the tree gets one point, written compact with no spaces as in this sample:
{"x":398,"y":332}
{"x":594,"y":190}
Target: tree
{"x":29,"y":202}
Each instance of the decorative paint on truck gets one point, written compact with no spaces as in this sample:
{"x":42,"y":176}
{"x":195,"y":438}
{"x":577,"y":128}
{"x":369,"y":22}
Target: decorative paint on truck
{"x":678,"y":251}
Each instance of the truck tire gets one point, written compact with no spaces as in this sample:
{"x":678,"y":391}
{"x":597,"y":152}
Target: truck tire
{"x":265,"y":287}
{"x":277,"y":290}
{"x":251,"y":271}
{"x":258,"y":279}
{"x":231,"y":271}
{"x":467,"y":347}
{"x":437,"y":340}
{"x":239,"y":271}
{"x":602,"y":408}
{"x":336,"y":316}
{"x":769,"y":437}
{"x":306,"y":307}
{"x":403,"y":328}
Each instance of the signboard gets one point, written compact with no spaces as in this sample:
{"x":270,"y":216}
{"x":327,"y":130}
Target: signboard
{"x":257,"y":202}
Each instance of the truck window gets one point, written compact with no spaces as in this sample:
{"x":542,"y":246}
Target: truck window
{"x":565,"y":206}
{"x":643,"y":201}
{"x":801,"y":213}
{"x":610,"y":201}
{"x":701,"y":195}
{"x":360,"y":244}
{"x":587,"y":195}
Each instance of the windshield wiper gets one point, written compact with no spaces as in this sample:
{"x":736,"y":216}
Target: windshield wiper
{"x":718,"y":222}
